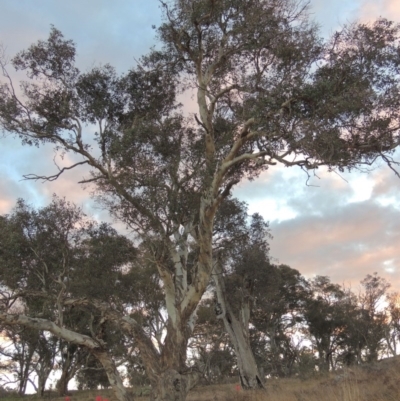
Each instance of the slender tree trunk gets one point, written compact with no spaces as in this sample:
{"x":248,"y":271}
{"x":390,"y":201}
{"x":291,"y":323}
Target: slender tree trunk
{"x":113,"y":375}
{"x":42,"y":384}
{"x":62,"y":383}
{"x":71,"y":362}
{"x":24,"y":373}
{"x":43,"y":374}
{"x":250,"y":377}
{"x":22,"y":386}
{"x":323,"y":358}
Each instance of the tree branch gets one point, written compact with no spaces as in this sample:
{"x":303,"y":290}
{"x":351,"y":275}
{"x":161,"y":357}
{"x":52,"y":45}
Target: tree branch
{"x":47,"y":325}
{"x":52,"y":177}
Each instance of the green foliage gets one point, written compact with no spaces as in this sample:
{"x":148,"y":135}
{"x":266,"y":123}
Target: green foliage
{"x":269,"y":91}
{"x":56,"y":250}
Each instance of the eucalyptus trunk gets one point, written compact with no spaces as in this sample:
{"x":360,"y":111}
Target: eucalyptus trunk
{"x":250,"y":378}
{"x":238,"y":331}
{"x":43,"y":375}
{"x":66,"y":374}
{"x":170,"y":378}
{"x":113,"y":375}
{"x":170,"y":386}
{"x":62,"y":383}
{"x":173,"y":380}
{"x":24,"y":371}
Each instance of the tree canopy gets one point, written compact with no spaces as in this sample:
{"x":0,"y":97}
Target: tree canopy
{"x":269,"y":91}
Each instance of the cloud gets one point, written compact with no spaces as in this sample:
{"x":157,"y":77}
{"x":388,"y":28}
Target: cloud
{"x":345,"y":228}
{"x":10,"y":192}
{"x":331,"y":15}
{"x":369,"y":10}
{"x":283,"y":193}
{"x":344,"y":240}
{"x":104,"y":31}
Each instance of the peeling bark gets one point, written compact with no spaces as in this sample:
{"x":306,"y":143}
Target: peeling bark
{"x":113,"y":375}
{"x":250,"y":377}
{"x":238,"y":331}
{"x":172,"y":386}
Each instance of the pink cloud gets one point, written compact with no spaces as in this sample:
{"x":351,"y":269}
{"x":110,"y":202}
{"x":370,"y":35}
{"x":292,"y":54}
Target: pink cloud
{"x":346,"y":245}
{"x":10,"y":191}
{"x":372,"y":9}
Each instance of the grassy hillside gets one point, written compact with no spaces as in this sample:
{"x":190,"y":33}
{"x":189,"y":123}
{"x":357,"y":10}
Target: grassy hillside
{"x":378,"y":382}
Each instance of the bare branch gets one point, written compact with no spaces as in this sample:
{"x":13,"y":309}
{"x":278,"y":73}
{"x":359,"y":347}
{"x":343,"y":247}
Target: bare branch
{"x":54,"y":177}
{"x":390,"y":162}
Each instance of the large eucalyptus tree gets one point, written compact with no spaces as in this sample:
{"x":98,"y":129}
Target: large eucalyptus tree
{"x":269,"y":92}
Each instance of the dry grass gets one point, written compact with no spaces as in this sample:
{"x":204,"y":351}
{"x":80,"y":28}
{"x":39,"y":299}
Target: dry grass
{"x":378,"y":382}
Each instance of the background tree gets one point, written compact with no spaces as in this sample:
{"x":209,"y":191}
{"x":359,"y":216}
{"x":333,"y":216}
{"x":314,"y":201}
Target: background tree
{"x":369,"y":325}
{"x":325,"y":315}
{"x":20,"y":352}
{"x":71,"y":358}
{"x":393,"y":332}
{"x":53,"y":255}
{"x":29,"y":353}
{"x":375,"y":290}
{"x":277,"y":315}
{"x":44,"y":362}
{"x":269,"y":91}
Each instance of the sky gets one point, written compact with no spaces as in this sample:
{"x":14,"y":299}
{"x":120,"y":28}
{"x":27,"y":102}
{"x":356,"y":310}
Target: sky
{"x":344,"y":226}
